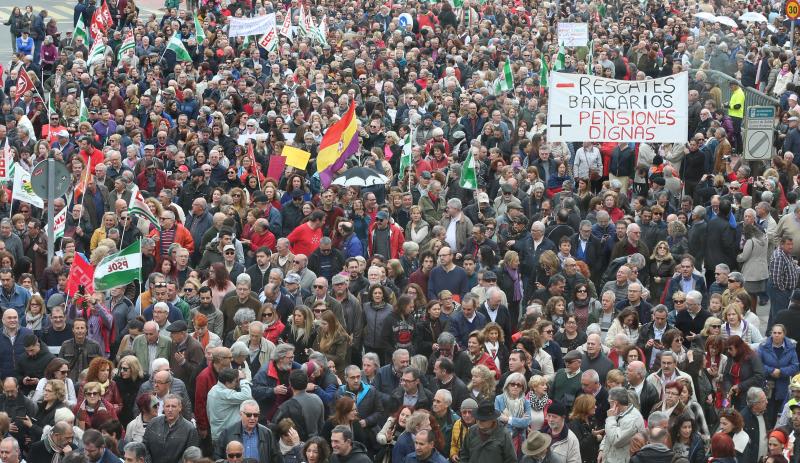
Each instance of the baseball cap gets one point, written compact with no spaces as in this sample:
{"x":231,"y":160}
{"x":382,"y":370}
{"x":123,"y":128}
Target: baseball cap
{"x":228,"y":246}
{"x":292,"y":278}
{"x":382,"y":215}
{"x":483,"y":198}
{"x":339,"y":279}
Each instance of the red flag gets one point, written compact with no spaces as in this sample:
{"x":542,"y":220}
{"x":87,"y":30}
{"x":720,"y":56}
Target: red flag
{"x":24,"y":83}
{"x":97,"y":27}
{"x":81,"y":273}
{"x":105,"y":16}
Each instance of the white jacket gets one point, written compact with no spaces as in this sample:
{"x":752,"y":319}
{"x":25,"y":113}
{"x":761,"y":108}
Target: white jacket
{"x":567,"y":450}
{"x":619,"y":430}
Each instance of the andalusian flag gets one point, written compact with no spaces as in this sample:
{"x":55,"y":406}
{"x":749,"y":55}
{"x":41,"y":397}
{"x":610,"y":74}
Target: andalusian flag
{"x":322,"y":30}
{"x":97,"y":52}
{"x":543,"y":77}
{"x":505,"y":82}
{"x":119,"y":268}
{"x":338,"y":144}
{"x":457,"y":3}
{"x":199,"y":33}
{"x":560,"y":63}
{"x":406,"y":158}
{"x":84,"y":111}
{"x":303,"y":25}
{"x":175,"y":44}
{"x":127,"y":44}
{"x":140,"y":208}
{"x":80,"y":31}
{"x":469,"y":179}
{"x":51,"y":105}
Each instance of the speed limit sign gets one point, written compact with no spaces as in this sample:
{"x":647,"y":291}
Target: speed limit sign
{"x":792,"y":9}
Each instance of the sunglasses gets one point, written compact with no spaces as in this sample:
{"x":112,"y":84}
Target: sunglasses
{"x":234,"y":455}
{"x":716,"y":326}
{"x":229,"y":253}
{"x":249,"y":415}
{"x":92,"y":394}
{"x":319,"y":287}
{"x":124,"y":369}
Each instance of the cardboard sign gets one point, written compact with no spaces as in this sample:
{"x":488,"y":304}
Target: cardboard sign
{"x":584,"y":107}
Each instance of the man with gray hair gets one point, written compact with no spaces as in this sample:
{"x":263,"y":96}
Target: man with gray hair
{"x":530,"y":248}
{"x":667,"y":373}
{"x":657,"y":448}
{"x":12,"y":241}
{"x":444,"y":415}
{"x":368,"y":402}
{"x":457,"y":225}
{"x":632,"y":243}
{"x":623,"y":421}
{"x":136,"y":452}
{"x":243,"y":297}
{"x":248,"y":427}
{"x":755,"y":424}
{"x":692,"y":320}
{"x":326,"y":261}
{"x":646,"y":395}
{"x":271,"y":383}
{"x":9,"y":451}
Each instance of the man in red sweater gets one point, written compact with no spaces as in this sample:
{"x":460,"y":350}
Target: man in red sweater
{"x":220,"y":358}
{"x":305,"y":238}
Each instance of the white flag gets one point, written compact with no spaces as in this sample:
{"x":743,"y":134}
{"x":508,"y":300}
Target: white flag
{"x":23,"y":190}
{"x":6,"y":161}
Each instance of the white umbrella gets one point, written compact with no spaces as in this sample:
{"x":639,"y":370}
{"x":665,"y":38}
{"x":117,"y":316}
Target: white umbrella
{"x":704,"y":16}
{"x":726,"y":21}
{"x":752,"y":17}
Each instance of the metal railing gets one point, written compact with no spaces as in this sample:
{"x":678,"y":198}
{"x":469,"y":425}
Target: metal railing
{"x":752,"y":97}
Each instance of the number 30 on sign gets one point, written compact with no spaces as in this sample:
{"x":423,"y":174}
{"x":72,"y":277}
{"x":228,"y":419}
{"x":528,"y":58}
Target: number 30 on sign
{"x":792,"y":9}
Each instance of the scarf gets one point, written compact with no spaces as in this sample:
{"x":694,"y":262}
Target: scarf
{"x":538,"y":403}
{"x":51,"y":446}
{"x":202,"y":339}
{"x":104,"y":387}
{"x":33,"y":322}
{"x":516,"y":282}
{"x":284,"y":448}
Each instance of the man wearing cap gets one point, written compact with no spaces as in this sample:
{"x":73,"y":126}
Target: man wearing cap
{"x":186,"y":354}
{"x":292,"y":212}
{"x":564,"y":445}
{"x":479,"y":210}
{"x":488,"y":441}
{"x":432,"y":204}
{"x":385,"y":237}
{"x":196,"y":188}
{"x":567,"y":381}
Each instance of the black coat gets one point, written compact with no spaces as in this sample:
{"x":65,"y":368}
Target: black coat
{"x":503,"y":319}
{"x":751,"y":428}
{"x":722,"y":249}
{"x":593,"y":255}
{"x":654,"y":453}
{"x":751,"y":374}
{"x":648,"y":398}
{"x":791,"y":320}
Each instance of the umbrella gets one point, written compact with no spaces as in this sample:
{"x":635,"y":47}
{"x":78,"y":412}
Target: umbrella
{"x":726,"y":21}
{"x":705,"y":16}
{"x":752,"y":17}
{"x":360,"y":177}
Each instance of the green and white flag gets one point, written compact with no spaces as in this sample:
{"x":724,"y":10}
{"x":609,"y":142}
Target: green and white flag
{"x":322,"y":30}
{"x":119,"y":268}
{"x":457,"y":3}
{"x":60,"y":224}
{"x":51,"y":105}
{"x":140,"y":208}
{"x":97,"y":53}
{"x":505,"y":81}
{"x":406,"y":158}
{"x":469,"y":178}
{"x":199,"y":33}
{"x":127,"y":44}
{"x":84,"y":111}
{"x":560,"y":63}
{"x":80,"y":31}
{"x":175,"y":44}
{"x":303,"y":24}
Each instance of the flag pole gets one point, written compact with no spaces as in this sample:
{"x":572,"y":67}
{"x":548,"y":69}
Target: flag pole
{"x":83,"y":195}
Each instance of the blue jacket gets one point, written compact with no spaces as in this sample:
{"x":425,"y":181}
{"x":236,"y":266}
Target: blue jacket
{"x":515,"y":424}
{"x":385,"y":382}
{"x":435,"y":457}
{"x":461,"y":327}
{"x":9,"y":352}
{"x":352,"y":247}
{"x":786,"y":362}
{"x":17,"y":300}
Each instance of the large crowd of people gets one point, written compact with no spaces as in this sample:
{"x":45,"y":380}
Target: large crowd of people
{"x":579,"y":302}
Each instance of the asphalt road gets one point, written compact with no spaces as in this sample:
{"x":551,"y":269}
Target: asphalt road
{"x":61,"y":11}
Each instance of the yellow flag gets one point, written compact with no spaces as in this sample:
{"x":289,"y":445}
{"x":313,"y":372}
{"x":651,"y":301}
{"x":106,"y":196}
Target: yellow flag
{"x":296,"y":157}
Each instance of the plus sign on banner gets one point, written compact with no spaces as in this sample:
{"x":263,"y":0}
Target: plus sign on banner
{"x":587,"y":108}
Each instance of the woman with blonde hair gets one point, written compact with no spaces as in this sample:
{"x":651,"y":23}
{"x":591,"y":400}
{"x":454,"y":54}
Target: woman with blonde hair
{"x":515,"y":411}
{"x":538,"y":399}
{"x":129,"y":378}
{"x":662,"y":268}
{"x":36,"y":318}
{"x":482,"y":385}
{"x":417,"y":229}
{"x":736,"y":325}
{"x":333,"y":341}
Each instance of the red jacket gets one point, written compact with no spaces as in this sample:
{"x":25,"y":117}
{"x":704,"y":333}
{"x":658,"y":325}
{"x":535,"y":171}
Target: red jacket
{"x":203,"y":384}
{"x":273,"y":332}
{"x":267,"y":239}
{"x":486,"y":359}
{"x":182,"y":236}
{"x":92,"y":159}
{"x":161,"y":181}
{"x":396,"y":239}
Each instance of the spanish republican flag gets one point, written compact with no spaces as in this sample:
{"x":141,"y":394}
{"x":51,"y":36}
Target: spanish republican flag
{"x":338,"y":144}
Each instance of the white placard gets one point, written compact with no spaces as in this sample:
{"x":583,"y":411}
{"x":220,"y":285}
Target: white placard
{"x":573,"y":34}
{"x":583,"y":108}
{"x":258,"y":25}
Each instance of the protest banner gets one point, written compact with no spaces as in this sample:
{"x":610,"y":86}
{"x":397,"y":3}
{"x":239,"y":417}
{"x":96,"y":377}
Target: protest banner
{"x":587,"y":108}
{"x":573,"y":34}
{"x":258,"y":25}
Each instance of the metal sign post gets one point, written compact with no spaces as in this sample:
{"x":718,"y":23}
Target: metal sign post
{"x":50,"y":180}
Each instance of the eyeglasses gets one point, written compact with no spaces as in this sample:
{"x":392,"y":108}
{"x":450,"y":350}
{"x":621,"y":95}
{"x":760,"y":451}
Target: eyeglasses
{"x":234,"y":455}
{"x":268,"y":314}
{"x":251,"y":415}
{"x":581,"y":291}
{"x":230,"y":253}
{"x":716,"y":326}
{"x":515,"y":385}
{"x":679,"y":301}
{"x":124,"y":369}
{"x":63,"y":372}
{"x":319,"y":287}
{"x":92,"y":394}
{"x":298,"y":262}
{"x":188,"y":290}
{"x":235,"y":195}
{"x":319,"y":310}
